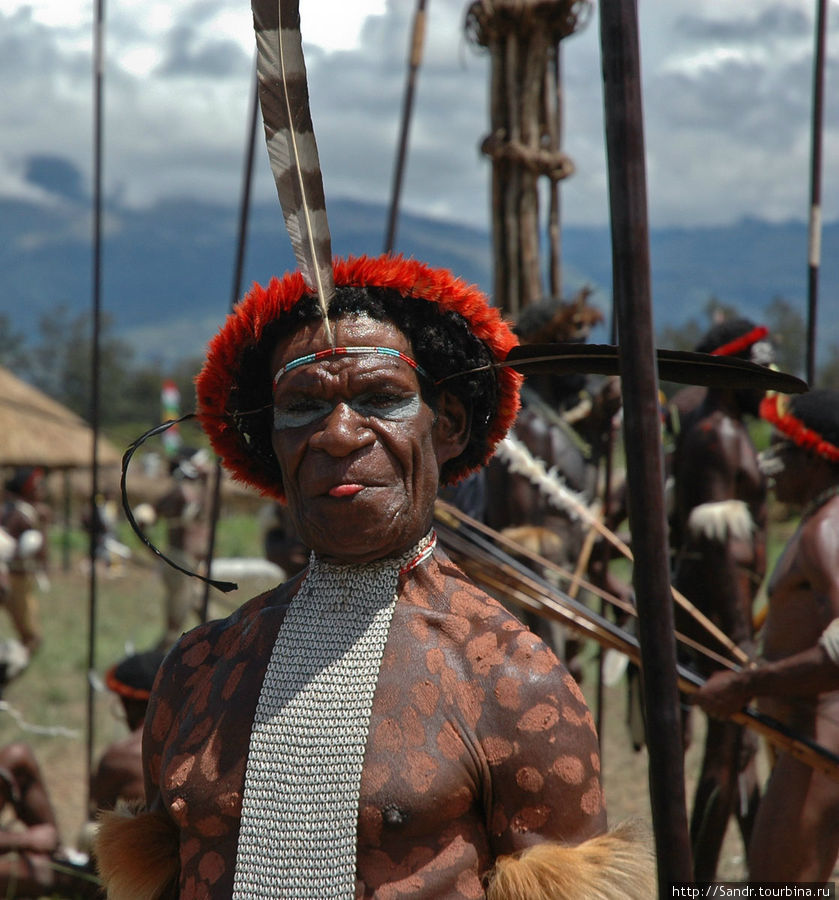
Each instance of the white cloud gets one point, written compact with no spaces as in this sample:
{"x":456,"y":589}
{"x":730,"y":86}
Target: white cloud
{"x":337,"y":26}
{"x":726,"y":101}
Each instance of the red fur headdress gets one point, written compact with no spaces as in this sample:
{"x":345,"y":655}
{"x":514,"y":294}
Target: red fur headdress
{"x":775,"y":408}
{"x":223,"y":405}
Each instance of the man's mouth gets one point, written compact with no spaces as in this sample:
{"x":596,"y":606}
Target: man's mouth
{"x":345,"y":490}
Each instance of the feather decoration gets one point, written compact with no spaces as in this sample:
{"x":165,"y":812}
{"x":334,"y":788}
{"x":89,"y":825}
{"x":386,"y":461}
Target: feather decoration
{"x":682,"y":366}
{"x":292,"y":149}
{"x":518,"y":459}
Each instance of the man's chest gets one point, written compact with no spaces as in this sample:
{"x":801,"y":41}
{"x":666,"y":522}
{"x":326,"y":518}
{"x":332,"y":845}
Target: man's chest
{"x":797,"y":613}
{"x":419,"y":760}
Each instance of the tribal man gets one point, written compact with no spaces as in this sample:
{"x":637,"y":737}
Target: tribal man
{"x":25,"y":517}
{"x":796,"y":833}
{"x":719,"y":536}
{"x":377,"y":726}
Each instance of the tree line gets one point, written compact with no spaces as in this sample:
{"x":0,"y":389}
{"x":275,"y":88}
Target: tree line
{"x":58,"y":360}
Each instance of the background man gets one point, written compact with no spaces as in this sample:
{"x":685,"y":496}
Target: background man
{"x":32,"y":862}
{"x":25,"y":517}
{"x":119,"y":773}
{"x":796,"y":834}
{"x":185,"y":508}
{"x":719,"y":535}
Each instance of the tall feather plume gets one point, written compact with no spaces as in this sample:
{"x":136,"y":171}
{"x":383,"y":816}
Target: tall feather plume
{"x":292,"y":149}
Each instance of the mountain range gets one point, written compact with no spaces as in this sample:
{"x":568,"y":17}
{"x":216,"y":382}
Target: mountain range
{"x":167,"y":270}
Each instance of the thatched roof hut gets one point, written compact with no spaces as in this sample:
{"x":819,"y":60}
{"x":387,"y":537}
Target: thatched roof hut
{"x":36,"y":430}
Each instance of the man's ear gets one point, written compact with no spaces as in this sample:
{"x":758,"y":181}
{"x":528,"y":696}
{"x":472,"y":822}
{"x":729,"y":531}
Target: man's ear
{"x":451,"y":427}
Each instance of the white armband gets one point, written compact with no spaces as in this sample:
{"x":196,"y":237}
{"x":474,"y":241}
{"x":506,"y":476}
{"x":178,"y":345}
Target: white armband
{"x":830,"y":641}
{"x":721,"y":520}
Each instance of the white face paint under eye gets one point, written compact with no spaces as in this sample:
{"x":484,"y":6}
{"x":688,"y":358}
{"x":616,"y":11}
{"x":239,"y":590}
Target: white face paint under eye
{"x":300,"y":411}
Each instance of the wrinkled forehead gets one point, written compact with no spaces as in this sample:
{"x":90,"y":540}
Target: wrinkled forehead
{"x":362,"y":366}
{"x":362,"y":345}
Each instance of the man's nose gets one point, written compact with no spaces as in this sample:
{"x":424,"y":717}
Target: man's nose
{"x":342,"y":432}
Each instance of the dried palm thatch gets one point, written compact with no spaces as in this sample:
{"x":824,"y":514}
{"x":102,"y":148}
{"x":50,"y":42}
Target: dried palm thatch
{"x":36,"y":430}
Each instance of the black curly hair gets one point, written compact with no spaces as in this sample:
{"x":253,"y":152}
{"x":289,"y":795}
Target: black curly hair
{"x":442,"y":343}
{"x":818,"y":410}
{"x":138,"y":671}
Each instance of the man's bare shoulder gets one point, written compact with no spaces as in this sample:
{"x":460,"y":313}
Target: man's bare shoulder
{"x":713,"y":432}
{"x":225,"y":637}
{"x":819,"y":539}
{"x":491,"y":641}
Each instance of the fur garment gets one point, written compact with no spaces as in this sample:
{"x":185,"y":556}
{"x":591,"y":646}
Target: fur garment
{"x":617,"y":864}
{"x":137,"y":854}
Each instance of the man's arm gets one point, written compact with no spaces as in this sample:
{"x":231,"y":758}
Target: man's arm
{"x":547,"y":819}
{"x":542,"y":752}
{"x":811,"y":671}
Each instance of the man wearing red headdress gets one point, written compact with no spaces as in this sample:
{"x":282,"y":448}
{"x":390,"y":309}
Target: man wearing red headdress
{"x":796,"y":833}
{"x":377,"y":726}
{"x":719,"y":536}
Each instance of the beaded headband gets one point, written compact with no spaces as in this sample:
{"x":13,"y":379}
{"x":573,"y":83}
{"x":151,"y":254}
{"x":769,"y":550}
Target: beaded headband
{"x":124,"y":690}
{"x":775,"y":409}
{"x":732,"y":348}
{"x":348,"y":351}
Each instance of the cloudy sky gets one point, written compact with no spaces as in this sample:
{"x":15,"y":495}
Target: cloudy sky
{"x":727,"y":93}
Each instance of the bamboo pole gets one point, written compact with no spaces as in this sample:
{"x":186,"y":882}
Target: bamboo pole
{"x":512,"y":180}
{"x":645,"y":466}
{"x":533,"y":55}
{"x":497,"y":126}
{"x":235,"y":293}
{"x":553,"y":120}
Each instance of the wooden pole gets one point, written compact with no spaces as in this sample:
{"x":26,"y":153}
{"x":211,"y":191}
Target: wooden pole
{"x":235,"y":293}
{"x":533,"y":52}
{"x":512,"y":181}
{"x":553,"y":118}
{"x":815,"y":236}
{"x":415,"y":58}
{"x":642,"y":435}
{"x":98,"y":117}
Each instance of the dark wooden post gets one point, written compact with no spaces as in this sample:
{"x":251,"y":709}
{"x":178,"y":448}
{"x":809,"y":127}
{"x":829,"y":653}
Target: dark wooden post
{"x":814,"y":242}
{"x":642,"y":435}
{"x":414,"y":60}
{"x":98,"y":131}
{"x":523,"y":37}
